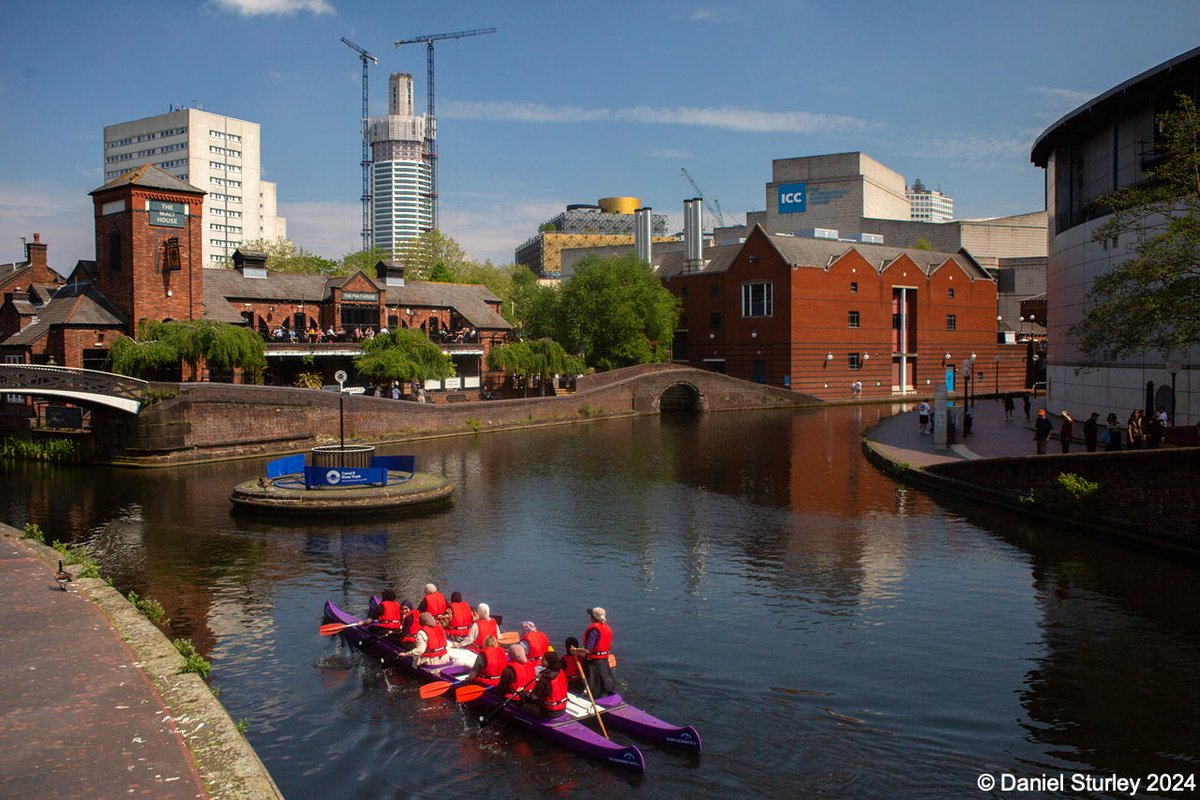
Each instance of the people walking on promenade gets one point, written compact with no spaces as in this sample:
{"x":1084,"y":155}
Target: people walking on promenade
{"x":1154,"y":432}
{"x":1091,"y":432}
{"x":1066,"y":432}
{"x":1136,"y":432}
{"x":1113,"y":432}
{"x":1041,"y":431}
{"x":1028,"y":404}
{"x":923,"y":416}
{"x":1009,"y":407}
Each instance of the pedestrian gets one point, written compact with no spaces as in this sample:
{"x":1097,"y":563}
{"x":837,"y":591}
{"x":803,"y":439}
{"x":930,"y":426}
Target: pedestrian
{"x":1136,"y":431}
{"x":1162,"y":416}
{"x":923,"y":417}
{"x":1067,"y":431}
{"x":1009,"y":407}
{"x":1114,"y":433}
{"x":1154,"y":432}
{"x":395,"y":391}
{"x":1091,"y":431}
{"x":1025,"y":400}
{"x":1041,"y":431}
{"x":856,"y":389}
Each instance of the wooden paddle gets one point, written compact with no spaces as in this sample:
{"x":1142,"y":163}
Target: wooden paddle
{"x":329,"y":629}
{"x":465,"y":694}
{"x":595,"y":708}
{"x":494,"y":712}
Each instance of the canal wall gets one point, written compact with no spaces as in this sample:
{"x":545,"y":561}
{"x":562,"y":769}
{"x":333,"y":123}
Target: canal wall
{"x":203,"y":421}
{"x":1146,"y":497}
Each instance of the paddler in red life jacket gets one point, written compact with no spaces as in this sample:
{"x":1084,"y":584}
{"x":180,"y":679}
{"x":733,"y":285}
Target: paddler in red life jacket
{"x":410,"y":625}
{"x":517,"y":679}
{"x":570,"y":662}
{"x":489,"y":664}
{"x":430,"y":647}
{"x":483,"y":627}
{"x":535,"y":642}
{"x":597,"y":644}
{"x":388,"y":616}
{"x":550,"y":692}
{"x":434,"y":602}
{"x":459,"y":623}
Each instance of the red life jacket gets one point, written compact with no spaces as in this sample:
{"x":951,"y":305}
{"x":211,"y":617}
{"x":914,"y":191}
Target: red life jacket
{"x":523,"y":677}
{"x":484,"y":628}
{"x":570,"y":667}
{"x":538,"y":645}
{"x":460,"y":619}
{"x":554,"y":699}
{"x":435,"y":603}
{"x":603,"y":643}
{"x":390,"y":615}
{"x":435,"y":641}
{"x":495,"y":662}
{"x":410,"y":626}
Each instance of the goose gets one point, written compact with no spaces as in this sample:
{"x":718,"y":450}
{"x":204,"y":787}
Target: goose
{"x":62,"y":576}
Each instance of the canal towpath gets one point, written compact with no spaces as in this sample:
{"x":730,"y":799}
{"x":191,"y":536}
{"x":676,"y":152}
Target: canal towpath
{"x":93,"y":704}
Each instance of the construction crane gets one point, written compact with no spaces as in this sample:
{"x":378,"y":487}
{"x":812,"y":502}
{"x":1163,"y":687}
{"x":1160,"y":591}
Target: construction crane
{"x":366,"y":159}
{"x":430,"y":119}
{"x":710,"y":205}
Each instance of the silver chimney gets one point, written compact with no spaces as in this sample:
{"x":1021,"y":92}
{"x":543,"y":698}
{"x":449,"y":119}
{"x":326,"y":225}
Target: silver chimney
{"x":641,"y":233}
{"x":693,"y":235}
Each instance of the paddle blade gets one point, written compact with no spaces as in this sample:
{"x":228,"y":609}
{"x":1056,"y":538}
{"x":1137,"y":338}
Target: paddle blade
{"x":331,"y":628}
{"x":511,"y":637}
{"x":612,"y":661}
{"x":429,"y":690}
{"x":465,"y":694}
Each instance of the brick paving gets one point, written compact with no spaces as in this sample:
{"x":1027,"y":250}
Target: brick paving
{"x":78,"y":716}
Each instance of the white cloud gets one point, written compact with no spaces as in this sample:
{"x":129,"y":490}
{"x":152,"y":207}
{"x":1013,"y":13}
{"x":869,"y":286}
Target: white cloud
{"x":972,"y":150}
{"x":734,"y":118}
{"x":671,"y":152}
{"x":256,"y":8}
{"x":713,"y":15}
{"x":1067,"y":98}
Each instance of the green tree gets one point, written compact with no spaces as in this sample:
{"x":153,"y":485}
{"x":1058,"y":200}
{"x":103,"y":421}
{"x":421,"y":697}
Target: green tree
{"x":404,"y":355}
{"x":1151,"y":301}
{"x":288,"y":257}
{"x":421,"y":254}
{"x":922,"y":244}
{"x":616,"y":313}
{"x":364,"y":260}
{"x":440,"y":274}
{"x":162,"y":345}
{"x":539,"y":358}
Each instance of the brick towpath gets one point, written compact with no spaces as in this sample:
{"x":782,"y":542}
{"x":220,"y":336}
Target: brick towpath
{"x":78,"y":716}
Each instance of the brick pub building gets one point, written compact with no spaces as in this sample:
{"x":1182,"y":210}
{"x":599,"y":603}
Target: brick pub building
{"x":817,"y":316}
{"x":149,"y":266}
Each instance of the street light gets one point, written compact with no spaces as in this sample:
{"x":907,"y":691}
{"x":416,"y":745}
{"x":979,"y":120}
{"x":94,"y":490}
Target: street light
{"x":1173,"y":368}
{"x":997,"y":373}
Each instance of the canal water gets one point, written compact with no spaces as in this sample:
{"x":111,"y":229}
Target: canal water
{"x":829,"y":632}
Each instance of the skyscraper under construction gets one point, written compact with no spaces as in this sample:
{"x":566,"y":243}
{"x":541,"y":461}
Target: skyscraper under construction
{"x":402,"y":202}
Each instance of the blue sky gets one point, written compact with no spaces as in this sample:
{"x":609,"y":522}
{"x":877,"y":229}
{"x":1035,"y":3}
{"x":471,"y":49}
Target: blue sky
{"x":568,"y":102}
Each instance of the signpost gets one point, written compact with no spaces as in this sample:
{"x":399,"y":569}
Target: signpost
{"x":340,"y":376}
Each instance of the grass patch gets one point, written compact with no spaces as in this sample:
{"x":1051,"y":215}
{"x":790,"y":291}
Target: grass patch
{"x":34,"y":532}
{"x":40,"y":449}
{"x":1078,"y":487}
{"x":192,"y":661}
{"x":474,"y":424}
{"x":150,"y":608}
{"x":79,"y":555}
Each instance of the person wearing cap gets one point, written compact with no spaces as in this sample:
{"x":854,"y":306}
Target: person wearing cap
{"x":518,"y":677}
{"x":434,"y":601}
{"x":597,"y":645}
{"x":535,"y":642}
{"x":1067,"y":431}
{"x":550,"y":692}
{"x":483,"y":627}
{"x":1041,"y":431}
{"x":430,"y":647}
{"x":388,"y":616}
{"x":458,"y":624}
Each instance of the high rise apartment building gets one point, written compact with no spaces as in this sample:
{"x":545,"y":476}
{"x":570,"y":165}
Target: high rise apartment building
{"x":401,"y":190}
{"x":929,"y":205}
{"x":218,"y":154}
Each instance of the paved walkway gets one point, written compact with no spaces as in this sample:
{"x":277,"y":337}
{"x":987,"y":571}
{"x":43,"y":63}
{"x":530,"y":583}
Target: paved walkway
{"x":78,"y":716}
{"x":898,"y":437}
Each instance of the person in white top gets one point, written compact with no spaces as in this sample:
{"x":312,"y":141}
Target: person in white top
{"x":923,"y":416}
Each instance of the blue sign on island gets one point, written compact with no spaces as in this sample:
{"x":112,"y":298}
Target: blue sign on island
{"x":793,"y":198}
{"x":344,"y":476}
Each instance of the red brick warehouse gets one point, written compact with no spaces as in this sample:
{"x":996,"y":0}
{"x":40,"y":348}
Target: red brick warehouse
{"x":818,"y":315}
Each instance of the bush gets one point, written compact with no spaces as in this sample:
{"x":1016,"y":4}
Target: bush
{"x":192,"y":660}
{"x":40,"y":449}
{"x":151,"y":608}
{"x":474,"y":424}
{"x":1078,"y":487}
{"x":33,"y":531}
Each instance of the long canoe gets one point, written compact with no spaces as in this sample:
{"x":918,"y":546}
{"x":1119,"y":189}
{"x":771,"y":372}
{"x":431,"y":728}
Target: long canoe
{"x":568,"y":731}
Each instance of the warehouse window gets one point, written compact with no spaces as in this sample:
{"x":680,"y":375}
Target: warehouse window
{"x":951,"y":322}
{"x":757,"y":299}
{"x":853,"y":319}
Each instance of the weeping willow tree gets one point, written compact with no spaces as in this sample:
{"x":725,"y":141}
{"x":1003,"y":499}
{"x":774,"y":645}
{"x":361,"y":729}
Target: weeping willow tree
{"x":537,"y":358}
{"x":164,"y":345}
{"x":403,"y":355}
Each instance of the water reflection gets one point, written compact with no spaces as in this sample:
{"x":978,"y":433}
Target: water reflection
{"x":767,"y":585}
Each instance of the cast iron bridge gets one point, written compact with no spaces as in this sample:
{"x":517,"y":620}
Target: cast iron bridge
{"x":80,"y":385}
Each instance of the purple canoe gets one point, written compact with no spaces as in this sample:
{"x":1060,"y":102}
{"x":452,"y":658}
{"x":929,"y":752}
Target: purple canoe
{"x":568,"y":731}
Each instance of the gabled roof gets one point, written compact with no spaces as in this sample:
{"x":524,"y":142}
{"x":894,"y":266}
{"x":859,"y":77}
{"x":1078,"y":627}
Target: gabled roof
{"x":799,"y":251}
{"x":149,"y":176}
{"x":79,"y":305}
{"x":470,"y":300}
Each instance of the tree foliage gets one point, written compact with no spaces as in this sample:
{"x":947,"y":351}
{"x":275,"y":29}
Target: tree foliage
{"x":1151,"y":301}
{"x":404,"y":355}
{"x":614,"y":311}
{"x":430,"y":248}
{"x":164,"y":345}
{"x":537,"y":358}
{"x":288,"y":257}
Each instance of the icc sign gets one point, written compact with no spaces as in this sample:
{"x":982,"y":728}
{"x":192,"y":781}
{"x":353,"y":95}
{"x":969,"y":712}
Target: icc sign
{"x":793,"y":198}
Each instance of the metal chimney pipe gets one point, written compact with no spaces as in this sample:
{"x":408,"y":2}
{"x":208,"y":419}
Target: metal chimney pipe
{"x":641,"y":234}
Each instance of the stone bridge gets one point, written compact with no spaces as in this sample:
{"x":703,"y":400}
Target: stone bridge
{"x":81,"y":386}
{"x":212,"y":420}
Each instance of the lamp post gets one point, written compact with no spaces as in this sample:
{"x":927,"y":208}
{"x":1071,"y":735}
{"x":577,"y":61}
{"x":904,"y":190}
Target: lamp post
{"x":1173,"y":368}
{"x":997,"y":374}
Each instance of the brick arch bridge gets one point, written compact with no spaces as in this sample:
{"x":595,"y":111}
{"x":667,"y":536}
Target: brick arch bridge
{"x":212,"y":420}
